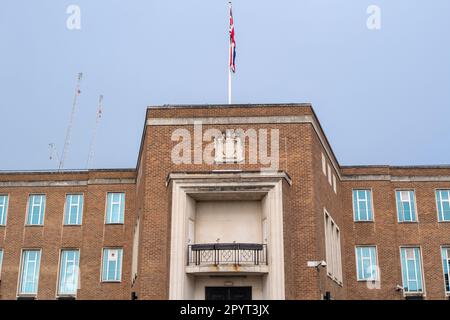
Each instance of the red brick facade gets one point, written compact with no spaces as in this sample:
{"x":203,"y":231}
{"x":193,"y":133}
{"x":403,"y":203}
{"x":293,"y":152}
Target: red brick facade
{"x":302,"y":144}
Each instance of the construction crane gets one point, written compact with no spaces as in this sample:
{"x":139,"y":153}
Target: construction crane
{"x":94,"y":133}
{"x":71,"y":120}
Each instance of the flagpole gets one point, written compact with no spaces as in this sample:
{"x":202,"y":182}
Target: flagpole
{"x":229,"y":62}
{"x":229,"y":83}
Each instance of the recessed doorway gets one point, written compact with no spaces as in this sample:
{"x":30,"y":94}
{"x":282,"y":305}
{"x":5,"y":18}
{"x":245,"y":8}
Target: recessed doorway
{"x":228,"y":293}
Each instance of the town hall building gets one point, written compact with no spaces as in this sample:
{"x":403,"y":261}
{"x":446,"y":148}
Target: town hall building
{"x":227,"y":202}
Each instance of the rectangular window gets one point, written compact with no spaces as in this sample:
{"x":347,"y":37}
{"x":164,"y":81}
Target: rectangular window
{"x":74,"y":209}
{"x":329,"y":175}
{"x":362,"y":205}
{"x":324,"y":165}
{"x":36,"y":209}
{"x":115,"y":207}
{"x":406,"y":206}
{"x":3,"y":209}
{"x":443,"y":204}
{"x":411,"y":270}
{"x":112,"y":264}
{"x":1,"y":262}
{"x":366,"y":263}
{"x":333,"y":249}
{"x":135,"y":252}
{"x":445,"y":251}
{"x":334,"y":184}
{"x":29,"y":272}
{"x":68,"y":272}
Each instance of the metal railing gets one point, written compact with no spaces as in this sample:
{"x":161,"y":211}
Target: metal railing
{"x":227,"y":253}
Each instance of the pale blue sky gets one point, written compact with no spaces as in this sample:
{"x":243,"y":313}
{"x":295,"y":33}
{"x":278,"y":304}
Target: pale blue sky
{"x":383,"y":97}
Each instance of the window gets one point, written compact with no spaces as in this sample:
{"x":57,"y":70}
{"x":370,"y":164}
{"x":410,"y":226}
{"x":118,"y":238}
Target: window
{"x":29,"y":272}
{"x":445,"y":251}
{"x":74,"y":209}
{"x":112,"y":265}
{"x":135,"y":253}
{"x":115,"y":207}
{"x":68,"y":272}
{"x":329,"y":175}
{"x":334,"y":184}
{"x":362,"y":205}
{"x":406,"y":207}
{"x":333,"y":249}
{"x":411,"y":270}
{"x":36,"y":209}
{"x":3,"y":209}
{"x":443,"y":204}
{"x":366,"y":263}
{"x":324,"y":165}
{"x":1,"y":262}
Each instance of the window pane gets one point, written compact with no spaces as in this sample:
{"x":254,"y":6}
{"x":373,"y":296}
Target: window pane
{"x":406,"y":206}
{"x":369,"y":205}
{"x":1,"y":261}
{"x":446,"y":267}
{"x":413,"y":206}
{"x":115,"y":207}
{"x":30,"y":272}
{"x":446,"y":209}
{"x":355,"y":205}
{"x":362,"y":194}
{"x":411,"y":269}
{"x":362,"y":205}
{"x":362,"y":210}
{"x":445,"y":195}
{"x":367,"y":264}
{"x":3,"y":208}
{"x":359,"y":263}
{"x":112,"y":264}
{"x":36,"y":209}
{"x":407,"y":211}
{"x":74,"y":209}
{"x":68,"y":277}
{"x":399,"y":206}
{"x":443,"y":203}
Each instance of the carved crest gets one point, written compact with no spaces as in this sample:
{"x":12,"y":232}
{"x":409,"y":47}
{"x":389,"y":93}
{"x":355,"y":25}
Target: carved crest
{"x":228,"y":147}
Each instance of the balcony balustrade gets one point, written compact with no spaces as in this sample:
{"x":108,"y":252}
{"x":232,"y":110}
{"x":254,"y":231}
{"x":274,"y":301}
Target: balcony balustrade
{"x":216,"y":254}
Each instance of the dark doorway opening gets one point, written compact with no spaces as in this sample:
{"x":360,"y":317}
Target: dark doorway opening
{"x":228,"y":293}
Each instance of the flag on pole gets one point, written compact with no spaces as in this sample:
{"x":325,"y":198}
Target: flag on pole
{"x":232,"y":44}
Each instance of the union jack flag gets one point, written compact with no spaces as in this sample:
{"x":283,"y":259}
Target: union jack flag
{"x":232,"y":44}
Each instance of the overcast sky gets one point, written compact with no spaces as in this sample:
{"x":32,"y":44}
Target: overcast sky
{"x":382,"y":96}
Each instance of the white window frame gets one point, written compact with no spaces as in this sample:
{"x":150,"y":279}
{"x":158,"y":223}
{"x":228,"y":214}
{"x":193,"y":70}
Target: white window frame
{"x":377,"y":276}
{"x":333,"y":248}
{"x":68,"y":207}
{"x":2,"y":256}
{"x":334,"y":184}
{"x":412,"y":204}
{"x":135,"y":249}
{"x":103,"y":261}
{"x":446,"y":247}
{"x":109,"y":214}
{"x":324,"y":164}
{"x":19,"y":282}
{"x":4,"y":209}
{"x":31,"y":206}
{"x":58,"y":283}
{"x":440,"y":206}
{"x":329,"y":174}
{"x":358,"y":213}
{"x":422,"y":273}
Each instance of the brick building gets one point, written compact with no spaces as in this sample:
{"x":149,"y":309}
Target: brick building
{"x":227,"y":201}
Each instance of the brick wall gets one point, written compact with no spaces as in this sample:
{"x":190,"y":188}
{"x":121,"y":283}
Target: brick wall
{"x":304,"y":201}
{"x":89,"y":238}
